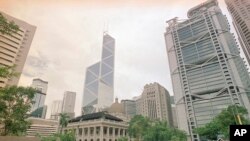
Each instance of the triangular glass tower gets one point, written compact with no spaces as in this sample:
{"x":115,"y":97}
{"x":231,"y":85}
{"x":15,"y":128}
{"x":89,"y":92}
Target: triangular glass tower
{"x":99,"y":80}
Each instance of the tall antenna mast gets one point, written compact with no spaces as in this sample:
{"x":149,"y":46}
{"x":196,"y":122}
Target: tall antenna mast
{"x":105,"y":27}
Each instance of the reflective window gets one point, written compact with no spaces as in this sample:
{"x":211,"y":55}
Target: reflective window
{"x":95,"y":69}
{"x":90,"y":77}
{"x":105,"y":69}
{"x":93,"y":87}
{"x":106,"y":53}
{"x":108,"y":79}
{"x":88,"y":97}
{"x":109,"y":61}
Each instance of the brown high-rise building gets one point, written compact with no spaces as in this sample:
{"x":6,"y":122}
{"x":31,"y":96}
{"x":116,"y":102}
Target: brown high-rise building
{"x":14,"y":48}
{"x":240,"y":12}
{"x":154,"y":103}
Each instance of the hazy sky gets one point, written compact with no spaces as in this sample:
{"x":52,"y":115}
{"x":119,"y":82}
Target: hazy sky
{"x":68,"y":39}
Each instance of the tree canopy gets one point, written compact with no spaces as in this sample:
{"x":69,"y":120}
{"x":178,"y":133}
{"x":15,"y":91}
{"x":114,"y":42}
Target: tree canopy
{"x":221,"y":123}
{"x":7,"y":27}
{"x":69,"y":136}
{"x":15,"y":102}
{"x":143,"y":129}
{"x":63,"y":120}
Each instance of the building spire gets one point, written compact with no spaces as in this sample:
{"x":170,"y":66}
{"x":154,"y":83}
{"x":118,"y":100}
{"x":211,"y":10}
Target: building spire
{"x":105,"y":27}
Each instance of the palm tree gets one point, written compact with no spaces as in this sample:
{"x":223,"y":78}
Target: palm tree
{"x":63,"y":121}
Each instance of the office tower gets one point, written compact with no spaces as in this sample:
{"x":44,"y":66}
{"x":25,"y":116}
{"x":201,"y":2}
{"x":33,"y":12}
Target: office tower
{"x":129,"y":107}
{"x":138,"y":105}
{"x":56,"y":109}
{"x":37,"y":108}
{"x":99,"y":80}
{"x":173,"y":111}
{"x":172,"y":99}
{"x":41,"y":127}
{"x":175,"y":124}
{"x":155,"y":103}
{"x":14,"y":48}
{"x":39,"y":112}
{"x":240,"y":12}
{"x":69,"y":99}
{"x":206,"y":69}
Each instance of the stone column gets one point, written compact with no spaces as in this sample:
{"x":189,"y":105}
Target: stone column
{"x":95,"y":133}
{"x":82,"y":133}
{"x":88,"y":133}
{"x":113,"y":136}
{"x":123,"y":133}
{"x":119,"y":132}
{"x":101,"y":133}
{"x":108,"y":133}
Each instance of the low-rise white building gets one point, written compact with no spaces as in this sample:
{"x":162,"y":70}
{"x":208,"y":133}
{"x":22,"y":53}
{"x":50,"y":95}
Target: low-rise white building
{"x":42,"y":127}
{"x":97,"y":127}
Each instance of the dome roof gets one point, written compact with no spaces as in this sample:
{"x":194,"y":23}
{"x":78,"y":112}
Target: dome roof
{"x":116,"y":107}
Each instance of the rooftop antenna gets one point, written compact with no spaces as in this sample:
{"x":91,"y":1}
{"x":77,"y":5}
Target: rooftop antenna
{"x":105,"y":28}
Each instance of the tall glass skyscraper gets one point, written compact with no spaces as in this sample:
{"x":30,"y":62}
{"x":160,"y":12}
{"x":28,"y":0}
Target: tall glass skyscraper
{"x":68,"y":106}
{"x":38,"y":109}
{"x":99,"y":80}
{"x":207,"y":71}
{"x":240,"y":12}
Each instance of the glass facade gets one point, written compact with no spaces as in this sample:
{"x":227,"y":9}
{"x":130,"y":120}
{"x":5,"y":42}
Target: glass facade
{"x":99,"y":81}
{"x":39,"y":98}
{"x":209,"y":70}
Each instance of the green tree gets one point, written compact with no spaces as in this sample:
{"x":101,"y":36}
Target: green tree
{"x":15,"y":102}
{"x":123,"y":139}
{"x":69,"y":136}
{"x":221,"y":123}
{"x":160,"y":131}
{"x":137,"y":127}
{"x":178,"y":135}
{"x":63,"y":120}
{"x":7,"y":27}
{"x":49,"y":138}
{"x":142,"y":128}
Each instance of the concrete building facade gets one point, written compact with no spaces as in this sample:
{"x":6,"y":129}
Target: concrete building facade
{"x":56,"y":109}
{"x":206,"y":69}
{"x":39,"y":98}
{"x":69,"y":99}
{"x":129,"y":107}
{"x":154,"y":103}
{"x":43,"y":127}
{"x":97,"y":127}
{"x":14,"y":48}
{"x":240,"y":12}
{"x":99,"y":80}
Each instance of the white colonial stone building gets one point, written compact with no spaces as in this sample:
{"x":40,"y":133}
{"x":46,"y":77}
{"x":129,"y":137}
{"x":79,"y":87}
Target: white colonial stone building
{"x":97,"y":127}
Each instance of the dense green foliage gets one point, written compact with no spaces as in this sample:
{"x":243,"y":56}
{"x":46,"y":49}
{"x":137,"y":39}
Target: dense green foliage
{"x":15,"y":102}
{"x":69,"y":136}
{"x":123,"y":139}
{"x":143,"y":129}
{"x":63,"y":120}
{"x":137,"y":127}
{"x":221,"y":123}
{"x":7,"y":27}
